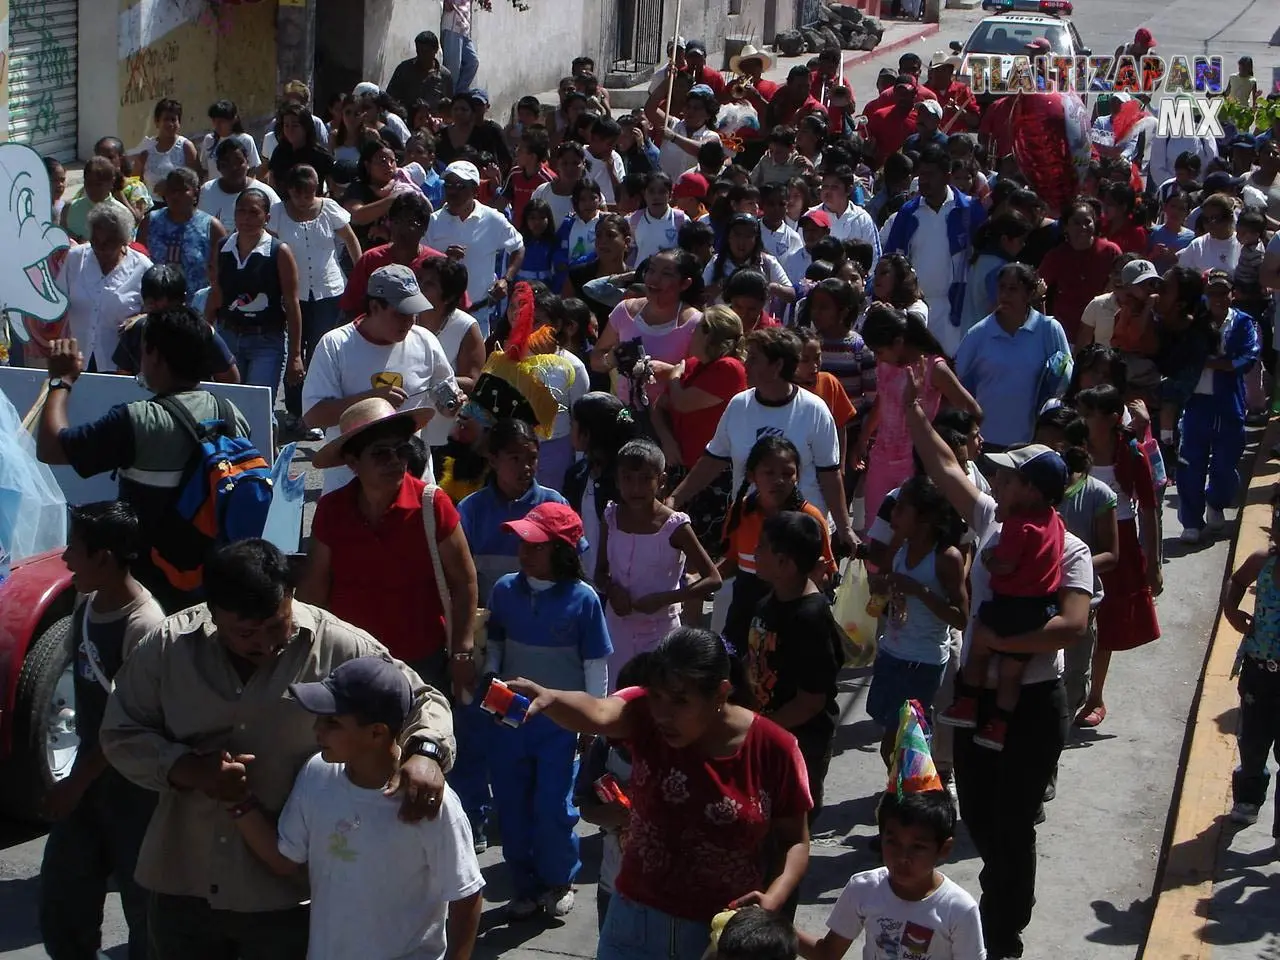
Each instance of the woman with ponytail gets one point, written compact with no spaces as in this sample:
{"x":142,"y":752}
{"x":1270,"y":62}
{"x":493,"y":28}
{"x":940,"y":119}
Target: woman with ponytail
{"x":901,"y":339}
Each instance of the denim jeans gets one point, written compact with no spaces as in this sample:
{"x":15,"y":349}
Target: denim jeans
{"x":469,"y":777}
{"x":97,"y":843}
{"x":259,"y":356}
{"x":633,"y":931}
{"x":1259,"y":734}
{"x":460,"y":58}
{"x":318,"y":318}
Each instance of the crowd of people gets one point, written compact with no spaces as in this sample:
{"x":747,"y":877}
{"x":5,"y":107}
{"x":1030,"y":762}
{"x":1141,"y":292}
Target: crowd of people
{"x":605,"y":404}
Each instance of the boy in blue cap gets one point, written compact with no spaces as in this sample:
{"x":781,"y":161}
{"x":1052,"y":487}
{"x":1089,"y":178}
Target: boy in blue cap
{"x":379,"y":886}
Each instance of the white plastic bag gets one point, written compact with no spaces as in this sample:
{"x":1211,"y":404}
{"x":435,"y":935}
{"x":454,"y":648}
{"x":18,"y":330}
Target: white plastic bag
{"x":850,"y":611}
{"x":288,"y":496}
{"x":33,"y":510}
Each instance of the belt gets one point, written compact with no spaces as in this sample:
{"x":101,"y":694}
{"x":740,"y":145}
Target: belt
{"x":1270,"y":666}
{"x":249,"y":329}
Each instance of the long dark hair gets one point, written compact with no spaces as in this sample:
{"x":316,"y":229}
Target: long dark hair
{"x":928,"y":501}
{"x":544,"y":208}
{"x":754,"y":259}
{"x":304,"y":118}
{"x":608,"y":425}
{"x":743,"y":502}
{"x":692,"y":658}
{"x":885,"y":324}
{"x":906,"y":285}
{"x":1096,"y":355}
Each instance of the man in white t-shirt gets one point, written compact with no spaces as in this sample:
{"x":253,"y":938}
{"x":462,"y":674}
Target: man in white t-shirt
{"x":384,"y":353}
{"x":774,"y":406}
{"x":477,"y":235}
{"x":218,"y":196}
{"x":380,"y":886}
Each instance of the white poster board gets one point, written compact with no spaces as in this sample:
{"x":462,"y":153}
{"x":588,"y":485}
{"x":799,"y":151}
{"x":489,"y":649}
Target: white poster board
{"x":96,"y":393}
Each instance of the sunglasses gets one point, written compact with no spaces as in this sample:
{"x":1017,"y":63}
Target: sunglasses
{"x":381,"y":453}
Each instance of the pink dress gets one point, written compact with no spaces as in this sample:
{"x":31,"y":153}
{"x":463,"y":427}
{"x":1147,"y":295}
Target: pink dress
{"x":889,"y":463}
{"x":668,"y":342}
{"x":641,"y":563}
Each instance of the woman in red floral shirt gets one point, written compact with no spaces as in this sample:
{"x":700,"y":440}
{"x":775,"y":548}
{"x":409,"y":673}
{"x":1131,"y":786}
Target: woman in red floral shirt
{"x":713,"y":788}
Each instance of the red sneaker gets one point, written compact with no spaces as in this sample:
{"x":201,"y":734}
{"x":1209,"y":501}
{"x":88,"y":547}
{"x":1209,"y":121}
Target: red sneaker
{"x":992,"y":734}
{"x":962,"y":713}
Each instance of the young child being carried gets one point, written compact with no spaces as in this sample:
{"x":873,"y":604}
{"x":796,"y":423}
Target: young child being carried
{"x":379,"y":886}
{"x":1025,"y":569}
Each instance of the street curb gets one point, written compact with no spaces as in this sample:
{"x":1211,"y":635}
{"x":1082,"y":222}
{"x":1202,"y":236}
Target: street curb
{"x":927,"y":30}
{"x":1202,"y":793}
{"x":963,"y":4}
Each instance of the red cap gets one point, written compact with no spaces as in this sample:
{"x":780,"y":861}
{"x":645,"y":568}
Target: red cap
{"x":547,"y":522}
{"x":691,"y":185}
{"x":1143,"y":36}
{"x":819,"y":217}
{"x":1040,"y":45}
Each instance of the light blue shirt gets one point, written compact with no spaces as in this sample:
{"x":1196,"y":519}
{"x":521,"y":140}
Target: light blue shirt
{"x":495,"y":550}
{"x":1005,"y":372}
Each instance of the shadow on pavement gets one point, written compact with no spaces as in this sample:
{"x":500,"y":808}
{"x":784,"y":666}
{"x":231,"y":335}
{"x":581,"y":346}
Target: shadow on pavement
{"x":1121,"y":926}
{"x":18,"y":903}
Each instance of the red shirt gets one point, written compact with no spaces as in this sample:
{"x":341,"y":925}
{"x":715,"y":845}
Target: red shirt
{"x":781,"y":116}
{"x":889,"y":127}
{"x":698,"y":828}
{"x":997,"y":126}
{"x":1033,"y":544}
{"x":358,"y":283}
{"x":1130,"y":237}
{"x":723,"y":378}
{"x":819,"y":83}
{"x":1074,"y":278}
{"x":957,"y":99}
{"x":381,"y":575}
{"x":885,"y":98}
{"x":714,"y":80}
{"x":520,"y":187}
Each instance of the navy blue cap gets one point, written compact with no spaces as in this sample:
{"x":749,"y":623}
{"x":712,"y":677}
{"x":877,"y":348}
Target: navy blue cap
{"x":479,"y":94}
{"x":372,"y":687}
{"x":1243,"y":141}
{"x":696,"y":46}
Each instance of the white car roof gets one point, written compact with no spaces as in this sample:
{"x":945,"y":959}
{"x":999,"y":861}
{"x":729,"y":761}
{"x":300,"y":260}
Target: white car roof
{"x":1024,"y":18}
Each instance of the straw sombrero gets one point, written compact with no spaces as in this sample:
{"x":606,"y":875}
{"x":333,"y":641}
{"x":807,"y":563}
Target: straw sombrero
{"x":361,"y":416}
{"x":750,"y":53}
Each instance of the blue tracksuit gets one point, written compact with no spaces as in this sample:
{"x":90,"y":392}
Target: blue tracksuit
{"x":1212,"y":428}
{"x":482,"y":515}
{"x":544,"y":636}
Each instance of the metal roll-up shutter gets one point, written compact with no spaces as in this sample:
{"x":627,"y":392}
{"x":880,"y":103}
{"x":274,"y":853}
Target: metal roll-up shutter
{"x":43,"y":61}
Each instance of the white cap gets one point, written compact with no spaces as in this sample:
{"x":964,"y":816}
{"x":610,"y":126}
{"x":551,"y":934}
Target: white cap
{"x":463,"y":170}
{"x":931,"y":106}
{"x":366,"y":89}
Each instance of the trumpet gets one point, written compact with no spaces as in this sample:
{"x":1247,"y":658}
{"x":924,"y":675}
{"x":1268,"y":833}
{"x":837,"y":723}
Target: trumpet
{"x":739,"y":86}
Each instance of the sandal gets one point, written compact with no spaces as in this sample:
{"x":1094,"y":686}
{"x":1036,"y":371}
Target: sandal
{"x":1092,"y":717}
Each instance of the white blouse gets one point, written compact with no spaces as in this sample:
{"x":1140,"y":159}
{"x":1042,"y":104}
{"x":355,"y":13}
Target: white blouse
{"x":100,"y":304}
{"x":455,"y":329}
{"x":313,"y":246}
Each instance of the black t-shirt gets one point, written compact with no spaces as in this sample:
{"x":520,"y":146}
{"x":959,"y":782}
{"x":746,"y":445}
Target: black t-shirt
{"x":284,"y":158}
{"x":128,"y":352}
{"x":794,"y":646}
{"x":1040,"y":241}
{"x":486,"y":137}
{"x":107,"y":639}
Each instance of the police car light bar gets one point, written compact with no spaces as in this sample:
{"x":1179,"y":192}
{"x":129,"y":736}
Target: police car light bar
{"x":1028,"y":6}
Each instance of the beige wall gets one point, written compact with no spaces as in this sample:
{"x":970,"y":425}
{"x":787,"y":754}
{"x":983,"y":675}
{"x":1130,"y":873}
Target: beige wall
{"x":389,"y":29}
{"x":171,"y":48}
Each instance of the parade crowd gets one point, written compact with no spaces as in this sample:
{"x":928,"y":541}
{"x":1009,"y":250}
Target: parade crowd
{"x":609,"y":409}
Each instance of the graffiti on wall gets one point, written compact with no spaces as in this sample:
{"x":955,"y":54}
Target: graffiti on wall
{"x":48,"y":66}
{"x":151,"y":73}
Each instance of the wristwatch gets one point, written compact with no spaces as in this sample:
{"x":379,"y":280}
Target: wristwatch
{"x":463,"y":655}
{"x":57,"y":383}
{"x":429,"y":749}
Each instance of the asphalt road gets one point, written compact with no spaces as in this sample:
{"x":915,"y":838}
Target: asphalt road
{"x":1100,"y":845}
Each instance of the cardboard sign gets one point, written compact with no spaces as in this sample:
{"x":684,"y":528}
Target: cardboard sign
{"x":96,"y":393}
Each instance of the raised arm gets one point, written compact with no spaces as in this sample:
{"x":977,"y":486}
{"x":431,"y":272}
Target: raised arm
{"x":939,"y":462}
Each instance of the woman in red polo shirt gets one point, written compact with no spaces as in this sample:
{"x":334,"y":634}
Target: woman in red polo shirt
{"x":370,"y":562}
{"x":1076,"y":270}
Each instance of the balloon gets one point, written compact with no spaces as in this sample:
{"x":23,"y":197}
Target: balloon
{"x":1051,"y":144}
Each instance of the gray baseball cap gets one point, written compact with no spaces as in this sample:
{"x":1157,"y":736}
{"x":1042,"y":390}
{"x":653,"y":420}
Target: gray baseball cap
{"x":398,"y":286}
{"x":1138,"y":271}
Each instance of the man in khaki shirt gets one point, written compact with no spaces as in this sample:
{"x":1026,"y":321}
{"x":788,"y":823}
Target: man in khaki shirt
{"x":200,"y":713}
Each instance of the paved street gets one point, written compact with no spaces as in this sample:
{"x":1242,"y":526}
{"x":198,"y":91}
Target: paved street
{"x":1100,"y":845}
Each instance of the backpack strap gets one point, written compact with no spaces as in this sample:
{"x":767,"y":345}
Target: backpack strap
{"x":227,"y":416}
{"x":183,"y":417}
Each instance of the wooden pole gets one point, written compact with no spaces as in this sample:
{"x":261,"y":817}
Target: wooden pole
{"x":671,"y":64}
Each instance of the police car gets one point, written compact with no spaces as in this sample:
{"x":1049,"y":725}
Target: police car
{"x":1013,"y":25}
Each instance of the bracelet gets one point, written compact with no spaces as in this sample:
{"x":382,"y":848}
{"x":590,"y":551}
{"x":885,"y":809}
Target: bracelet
{"x":247,"y":805}
{"x":463,"y":655}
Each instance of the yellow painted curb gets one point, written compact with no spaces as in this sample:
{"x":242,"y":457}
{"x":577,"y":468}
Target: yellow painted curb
{"x":1203,"y":791}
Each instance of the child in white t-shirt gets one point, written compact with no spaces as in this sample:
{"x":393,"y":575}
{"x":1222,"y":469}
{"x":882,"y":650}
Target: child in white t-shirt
{"x":380,"y":887}
{"x":907,"y":908}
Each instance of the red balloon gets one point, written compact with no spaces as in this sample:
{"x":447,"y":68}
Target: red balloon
{"x":1041,"y":147}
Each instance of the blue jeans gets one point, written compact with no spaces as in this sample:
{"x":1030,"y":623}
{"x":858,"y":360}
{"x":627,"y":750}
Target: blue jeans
{"x":474,"y":730}
{"x":533,"y":768}
{"x":259,"y":357}
{"x":633,"y":931}
{"x":460,"y":58}
{"x":318,"y":318}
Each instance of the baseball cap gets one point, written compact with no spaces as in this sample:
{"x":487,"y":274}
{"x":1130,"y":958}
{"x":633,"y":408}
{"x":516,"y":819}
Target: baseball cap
{"x":366,"y":89}
{"x":696,"y":47}
{"x":1242,"y":142}
{"x":818,"y":218}
{"x":904,"y":80}
{"x":702,"y":90}
{"x":1143,"y":36}
{"x":1138,"y":271}
{"x":1221,"y":181}
{"x":548,"y":522}
{"x":373,"y":687}
{"x":1040,"y":45}
{"x":480,"y":95}
{"x":397,"y":285}
{"x":463,"y":170}
{"x":1218,"y":278}
{"x":931,"y":106}
{"x":691,"y":185}
{"x":1039,"y":466}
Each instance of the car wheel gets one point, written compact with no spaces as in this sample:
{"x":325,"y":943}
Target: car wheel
{"x":44,"y":723}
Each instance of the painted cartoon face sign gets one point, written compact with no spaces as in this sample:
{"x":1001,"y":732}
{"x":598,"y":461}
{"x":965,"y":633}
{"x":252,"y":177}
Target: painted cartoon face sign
{"x":29,"y":238}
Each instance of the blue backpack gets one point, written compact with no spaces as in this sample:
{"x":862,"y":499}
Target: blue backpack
{"x":224,"y":496}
